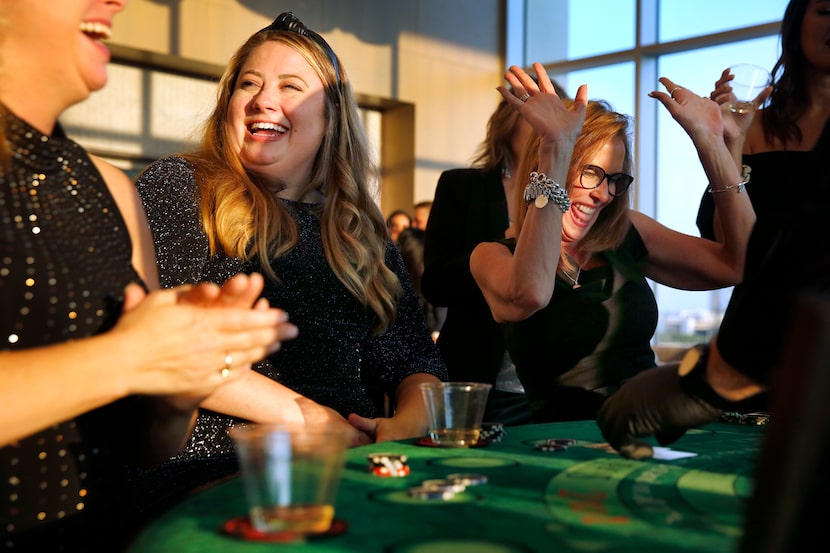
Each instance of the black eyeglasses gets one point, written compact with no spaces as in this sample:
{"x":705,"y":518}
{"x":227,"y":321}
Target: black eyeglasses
{"x":592,"y":176}
{"x":287,"y":21}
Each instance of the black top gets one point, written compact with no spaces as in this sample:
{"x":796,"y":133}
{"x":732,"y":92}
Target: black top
{"x":787,"y":257}
{"x":776,"y":175}
{"x":786,"y":253}
{"x":469,"y":207}
{"x":333,"y":360}
{"x":588,"y":340}
{"x":65,"y":258}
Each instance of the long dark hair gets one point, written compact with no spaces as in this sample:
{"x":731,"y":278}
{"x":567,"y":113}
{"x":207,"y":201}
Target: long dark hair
{"x":790,"y":97}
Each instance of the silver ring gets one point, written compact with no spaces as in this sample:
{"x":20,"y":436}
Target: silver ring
{"x":675,"y":89}
{"x":525,"y":97}
{"x":226,"y":370}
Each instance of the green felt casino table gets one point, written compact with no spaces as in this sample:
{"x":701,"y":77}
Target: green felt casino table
{"x":585,"y":498}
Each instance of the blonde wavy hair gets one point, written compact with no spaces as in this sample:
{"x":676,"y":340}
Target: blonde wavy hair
{"x":602,"y":125}
{"x":243,"y":218}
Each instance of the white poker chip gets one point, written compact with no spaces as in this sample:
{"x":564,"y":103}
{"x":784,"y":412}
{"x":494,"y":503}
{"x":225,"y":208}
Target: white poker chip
{"x":468,"y":479}
{"x":550,"y":447}
{"x":423,"y":492}
{"x":447,"y":484}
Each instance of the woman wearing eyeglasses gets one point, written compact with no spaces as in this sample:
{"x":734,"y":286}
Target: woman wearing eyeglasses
{"x":571,"y":283}
{"x":280,"y":185}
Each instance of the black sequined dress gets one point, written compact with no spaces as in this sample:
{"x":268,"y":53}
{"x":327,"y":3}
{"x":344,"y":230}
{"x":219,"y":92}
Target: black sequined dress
{"x":64,"y":261}
{"x":333,"y":361}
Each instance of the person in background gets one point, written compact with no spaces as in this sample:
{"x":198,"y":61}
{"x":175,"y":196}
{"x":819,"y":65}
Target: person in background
{"x":396,"y":222}
{"x":781,"y":136}
{"x":470,"y":206}
{"x":98,"y":368}
{"x":280,"y":185}
{"x":421,"y":214}
{"x":571,"y":284}
{"x":411,"y":246}
{"x":787,"y":131}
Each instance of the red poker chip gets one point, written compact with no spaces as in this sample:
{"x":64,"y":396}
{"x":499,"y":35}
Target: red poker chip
{"x":388,"y":464}
{"x":242,"y":528}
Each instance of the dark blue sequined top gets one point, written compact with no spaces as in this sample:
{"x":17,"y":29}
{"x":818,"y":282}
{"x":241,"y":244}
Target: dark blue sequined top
{"x":333,"y":361}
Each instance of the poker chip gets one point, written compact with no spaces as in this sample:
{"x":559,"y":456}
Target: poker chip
{"x":560,"y":441}
{"x":388,"y":464}
{"x":492,"y":432}
{"x":468,"y":479}
{"x":242,"y":528}
{"x":424,"y":492}
{"x":545,"y":446}
{"x":448,"y":484}
{"x":755,"y":419}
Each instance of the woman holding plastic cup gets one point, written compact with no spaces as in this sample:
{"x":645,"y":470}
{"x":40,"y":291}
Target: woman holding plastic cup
{"x":281,"y":184}
{"x":792,"y":126}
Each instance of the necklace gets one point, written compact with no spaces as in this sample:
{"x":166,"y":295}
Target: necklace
{"x":574,"y":279}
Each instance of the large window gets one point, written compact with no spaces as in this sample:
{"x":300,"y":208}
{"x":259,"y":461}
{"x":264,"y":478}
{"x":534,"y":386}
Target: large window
{"x":620,"y":48}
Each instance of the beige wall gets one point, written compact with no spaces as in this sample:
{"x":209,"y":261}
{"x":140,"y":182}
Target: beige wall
{"x":445,"y":57}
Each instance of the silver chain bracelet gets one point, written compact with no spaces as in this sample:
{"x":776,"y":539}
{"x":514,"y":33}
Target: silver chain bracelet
{"x":541,"y":190}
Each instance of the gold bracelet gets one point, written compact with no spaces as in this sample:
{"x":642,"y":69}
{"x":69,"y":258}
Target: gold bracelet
{"x":740,"y":186}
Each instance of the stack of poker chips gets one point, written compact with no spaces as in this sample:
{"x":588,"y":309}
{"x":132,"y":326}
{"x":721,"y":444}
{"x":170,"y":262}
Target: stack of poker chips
{"x":446,"y":488}
{"x":492,"y":432}
{"x":555,"y":444}
{"x":388,"y":464}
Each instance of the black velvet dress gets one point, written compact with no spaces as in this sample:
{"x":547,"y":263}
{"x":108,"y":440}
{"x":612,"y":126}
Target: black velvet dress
{"x":778,"y":180}
{"x":588,"y":340}
{"x":775,"y":177}
{"x":64,"y":262}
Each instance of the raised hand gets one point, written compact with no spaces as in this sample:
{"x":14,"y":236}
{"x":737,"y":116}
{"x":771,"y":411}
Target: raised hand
{"x":700,"y":117}
{"x":736,"y":124}
{"x":544,"y":110}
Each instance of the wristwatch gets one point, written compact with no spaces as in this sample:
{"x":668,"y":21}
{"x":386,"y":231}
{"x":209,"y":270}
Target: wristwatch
{"x":693,"y":381}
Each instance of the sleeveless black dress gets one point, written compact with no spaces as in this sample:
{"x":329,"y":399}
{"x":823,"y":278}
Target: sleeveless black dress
{"x":779,"y":179}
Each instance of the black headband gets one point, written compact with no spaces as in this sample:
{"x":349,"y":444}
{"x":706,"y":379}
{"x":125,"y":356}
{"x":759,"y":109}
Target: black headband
{"x":287,"y":21}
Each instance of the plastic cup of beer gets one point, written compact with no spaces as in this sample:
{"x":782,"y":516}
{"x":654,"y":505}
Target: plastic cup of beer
{"x":748,"y":83}
{"x":455,"y":411}
{"x":290,"y":476}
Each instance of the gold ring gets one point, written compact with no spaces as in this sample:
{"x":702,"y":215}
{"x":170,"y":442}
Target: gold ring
{"x":226,"y":370}
{"x":525,"y":97}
